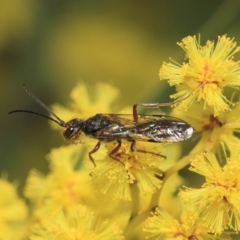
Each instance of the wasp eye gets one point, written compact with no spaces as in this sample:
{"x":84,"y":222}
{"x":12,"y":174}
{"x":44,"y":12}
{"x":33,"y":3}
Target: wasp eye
{"x":73,"y":130}
{"x":70,"y":131}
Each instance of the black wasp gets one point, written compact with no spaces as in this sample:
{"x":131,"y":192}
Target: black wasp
{"x":115,"y":127}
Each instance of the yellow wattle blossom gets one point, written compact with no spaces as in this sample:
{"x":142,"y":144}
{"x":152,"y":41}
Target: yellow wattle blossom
{"x":86,"y":101}
{"x":207,"y":72}
{"x":64,"y":187}
{"x":218,"y":201}
{"x":79,"y":223}
{"x":115,"y":177}
{"x":214,"y":130}
{"x":13,"y":213}
{"x":163,"y":226}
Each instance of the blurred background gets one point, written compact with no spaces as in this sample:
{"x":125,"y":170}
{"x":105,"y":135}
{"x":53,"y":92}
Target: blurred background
{"x":52,"y":45}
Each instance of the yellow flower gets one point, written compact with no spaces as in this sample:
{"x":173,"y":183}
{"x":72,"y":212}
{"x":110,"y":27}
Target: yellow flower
{"x":209,"y":70}
{"x":161,"y":225}
{"x":68,"y":184}
{"x":218,"y":201}
{"x":214,"y":130}
{"x":13,"y":213}
{"x":87,"y":102}
{"x":115,"y":177}
{"x":63,"y":187}
{"x":79,"y":223}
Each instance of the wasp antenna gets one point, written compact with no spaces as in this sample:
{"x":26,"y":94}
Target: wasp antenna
{"x":39,"y":114}
{"x":36,"y":99}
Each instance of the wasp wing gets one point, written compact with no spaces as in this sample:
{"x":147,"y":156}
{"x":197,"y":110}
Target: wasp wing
{"x":127,"y":119}
{"x":153,"y":128}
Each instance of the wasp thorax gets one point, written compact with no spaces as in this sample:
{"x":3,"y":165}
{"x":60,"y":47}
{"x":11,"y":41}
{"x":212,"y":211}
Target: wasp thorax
{"x":73,"y":129}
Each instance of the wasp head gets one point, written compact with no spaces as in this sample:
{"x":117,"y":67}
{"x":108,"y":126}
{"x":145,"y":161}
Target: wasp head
{"x":73,"y":130}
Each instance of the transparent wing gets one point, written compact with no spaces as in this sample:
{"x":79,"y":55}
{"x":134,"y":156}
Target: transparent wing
{"x":154,"y":128}
{"x":127,"y":119}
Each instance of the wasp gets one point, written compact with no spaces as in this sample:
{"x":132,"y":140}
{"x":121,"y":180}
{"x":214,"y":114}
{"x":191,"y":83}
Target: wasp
{"x":115,"y":127}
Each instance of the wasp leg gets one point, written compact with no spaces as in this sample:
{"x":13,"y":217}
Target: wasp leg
{"x":114,"y":152}
{"x":147,"y":105}
{"x":152,"y":105}
{"x":135,"y":149}
{"x":93,"y":151}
